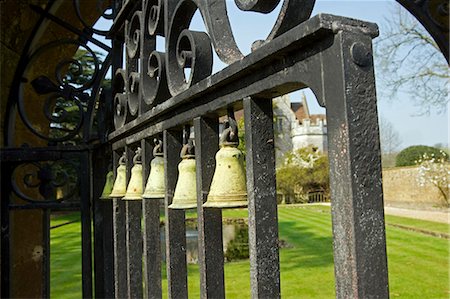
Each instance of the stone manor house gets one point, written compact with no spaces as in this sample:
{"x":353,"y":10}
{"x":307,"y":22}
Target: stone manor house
{"x":296,"y":127}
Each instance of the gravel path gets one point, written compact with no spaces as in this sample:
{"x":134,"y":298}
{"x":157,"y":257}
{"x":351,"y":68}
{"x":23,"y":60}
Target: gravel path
{"x":430,"y":215}
{"x":436,"y":215}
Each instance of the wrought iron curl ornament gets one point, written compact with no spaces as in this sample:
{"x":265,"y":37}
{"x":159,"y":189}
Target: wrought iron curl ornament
{"x":102,"y":6}
{"x":188,"y":58}
{"x":66,"y":94}
{"x":120,"y":84}
{"x":188,"y":54}
{"x":153,"y":70}
{"x":52,"y":181}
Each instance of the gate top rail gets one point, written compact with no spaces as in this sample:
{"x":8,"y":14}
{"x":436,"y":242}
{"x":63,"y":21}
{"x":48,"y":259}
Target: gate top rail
{"x":216,"y":91}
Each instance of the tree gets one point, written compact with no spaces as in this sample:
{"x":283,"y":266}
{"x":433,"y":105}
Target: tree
{"x":304,"y":171}
{"x":389,"y":141}
{"x":389,"y":138}
{"x":411,"y":61}
{"x":410,"y":155}
{"x":435,"y":171}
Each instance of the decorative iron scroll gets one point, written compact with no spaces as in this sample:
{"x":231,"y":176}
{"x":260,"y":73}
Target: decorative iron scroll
{"x":151,"y":77}
{"x":55,"y":181}
{"x":57,"y":99}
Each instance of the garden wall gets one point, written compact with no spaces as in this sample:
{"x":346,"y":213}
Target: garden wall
{"x":401,"y":189}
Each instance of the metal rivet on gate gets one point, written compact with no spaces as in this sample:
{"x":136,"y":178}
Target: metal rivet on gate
{"x":360,"y":54}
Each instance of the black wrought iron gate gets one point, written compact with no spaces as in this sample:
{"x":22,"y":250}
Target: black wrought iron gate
{"x":162,"y":95}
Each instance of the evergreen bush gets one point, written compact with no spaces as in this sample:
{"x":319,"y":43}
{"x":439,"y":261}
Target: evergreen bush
{"x":410,"y":155}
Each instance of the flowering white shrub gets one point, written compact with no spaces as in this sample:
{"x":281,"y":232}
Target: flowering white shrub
{"x":436,"y":171}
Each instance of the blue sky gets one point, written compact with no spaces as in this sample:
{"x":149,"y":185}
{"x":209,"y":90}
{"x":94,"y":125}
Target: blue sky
{"x":248,"y":27}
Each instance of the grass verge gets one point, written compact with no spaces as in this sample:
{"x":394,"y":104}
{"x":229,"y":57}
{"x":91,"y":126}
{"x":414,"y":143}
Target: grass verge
{"x":418,"y":263}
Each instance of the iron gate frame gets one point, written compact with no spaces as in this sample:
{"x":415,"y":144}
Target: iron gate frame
{"x":331,"y":55}
{"x":119,"y":219}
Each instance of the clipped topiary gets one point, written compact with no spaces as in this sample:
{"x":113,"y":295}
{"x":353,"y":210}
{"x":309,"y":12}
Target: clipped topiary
{"x":410,"y":155}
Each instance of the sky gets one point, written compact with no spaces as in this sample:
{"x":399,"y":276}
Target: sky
{"x":247,"y":27}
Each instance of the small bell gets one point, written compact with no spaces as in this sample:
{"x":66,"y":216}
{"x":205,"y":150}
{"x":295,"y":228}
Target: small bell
{"x":108,"y":185}
{"x":185,"y":196}
{"x":228,"y":186}
{"x":134,"y":190}
{"x":120,"y":184}
{"x":155,"y":187}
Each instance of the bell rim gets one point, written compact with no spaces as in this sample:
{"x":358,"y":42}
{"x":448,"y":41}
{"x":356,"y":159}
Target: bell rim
{"x":225,"y":197}
{"x":154,"y":195}
{"x":117,"y":195}
{"x":182,"y":206}
{"x":226,"y":204}
{"x":132,"y":196}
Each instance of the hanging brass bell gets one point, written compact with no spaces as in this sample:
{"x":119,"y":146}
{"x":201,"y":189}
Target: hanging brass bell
{"x":108,"y":185}
{"x":120,"y":183}
{"x":134,"y":190}
{"x":155,"y":187}
{"x":228,"y":186}
{"x":185,"y":196}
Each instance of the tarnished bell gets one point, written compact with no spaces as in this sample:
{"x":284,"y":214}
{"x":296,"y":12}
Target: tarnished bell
{"x":185,"y":196}
{"x":108,"y":185}
{"x":228,"y":186}
{"x":134,"y":190}
{"x":155,"y":187}
{"x":120,"y":184}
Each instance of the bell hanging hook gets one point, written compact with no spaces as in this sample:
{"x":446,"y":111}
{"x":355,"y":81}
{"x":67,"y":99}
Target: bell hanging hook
{"x":230,"y":134}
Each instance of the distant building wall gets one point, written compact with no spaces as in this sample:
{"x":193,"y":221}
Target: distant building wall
{"x":401,"y":188}
{"x":310,"y":134}
{"x":284,"y":120}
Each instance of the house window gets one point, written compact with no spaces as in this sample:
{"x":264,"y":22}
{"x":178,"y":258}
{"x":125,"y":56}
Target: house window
{"x":279,"y":124}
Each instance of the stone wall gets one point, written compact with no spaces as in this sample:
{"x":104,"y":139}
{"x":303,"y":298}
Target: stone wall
{"x":401,"y":189}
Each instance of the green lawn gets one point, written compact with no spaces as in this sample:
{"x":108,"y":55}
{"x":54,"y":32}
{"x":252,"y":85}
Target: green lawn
{"x":65,"y":257}
{"x":418,"y":263}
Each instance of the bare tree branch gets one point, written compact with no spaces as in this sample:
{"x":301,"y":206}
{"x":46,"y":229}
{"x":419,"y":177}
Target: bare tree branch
{"x":410,"y":61}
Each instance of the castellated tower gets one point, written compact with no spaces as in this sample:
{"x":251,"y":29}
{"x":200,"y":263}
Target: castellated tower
{"x":295,"y":127}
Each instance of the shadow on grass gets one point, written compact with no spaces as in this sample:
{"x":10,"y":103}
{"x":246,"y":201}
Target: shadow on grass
{"x":311,"y":249}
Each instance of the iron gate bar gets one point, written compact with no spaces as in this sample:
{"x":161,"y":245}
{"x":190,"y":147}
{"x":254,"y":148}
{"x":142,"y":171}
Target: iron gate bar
{"x":46,"y":248}
{"x":108,"y":249}
{"x":209,"y":221}
{"x":295,"y":62}
{"x":102,"y":225}
{"x":133,"y":213}
{"x":175,"y":226}
{"x":120,"y":252}
{"x":119,"y":228}
{"x":151,"y":232}
{"x":86,"y":218}
{"x":134,"y":247}
{"x":355,"y":169}
{"x":262,"y":199}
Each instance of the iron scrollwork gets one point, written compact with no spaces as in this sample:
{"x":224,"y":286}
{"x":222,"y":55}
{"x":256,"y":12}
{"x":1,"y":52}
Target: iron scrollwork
{"x":188,"y":58}
{"x":65,"y":91}
{"x":55,"y":181}
{"x":65,"y":96}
